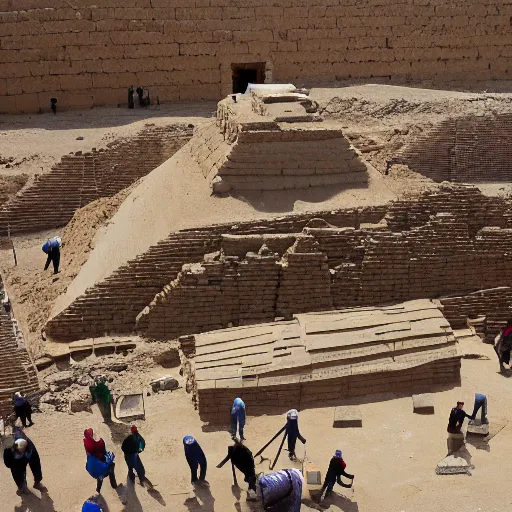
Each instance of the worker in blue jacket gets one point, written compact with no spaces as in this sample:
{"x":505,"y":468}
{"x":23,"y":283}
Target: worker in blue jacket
{"x":52,"y":249}
{"x":195,"y":457}
{"x":238,"y":418}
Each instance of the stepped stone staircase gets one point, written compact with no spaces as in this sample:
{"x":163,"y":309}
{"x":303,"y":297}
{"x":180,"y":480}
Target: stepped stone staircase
{"x":17,"y":373}
{"x":81,"y":178}
{"x":322,"y":358}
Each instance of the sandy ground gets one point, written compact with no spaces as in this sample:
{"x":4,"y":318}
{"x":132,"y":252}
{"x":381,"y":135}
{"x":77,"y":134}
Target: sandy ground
{"x":393,"y":456}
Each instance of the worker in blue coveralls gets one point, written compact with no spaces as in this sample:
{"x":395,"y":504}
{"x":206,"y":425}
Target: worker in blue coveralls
{"x":52,"y":249}
{"x":292,"y":427}
{"x":91,"y":505}
{"x":238,"y":418}
{"x":195,"y":457}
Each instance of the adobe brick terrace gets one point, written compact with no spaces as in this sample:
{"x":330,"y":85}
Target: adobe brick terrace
{"x":429,"y":246}
{"x":89,"y":53}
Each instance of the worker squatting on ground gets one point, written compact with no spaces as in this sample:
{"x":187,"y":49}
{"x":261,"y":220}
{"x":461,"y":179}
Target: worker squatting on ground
{"x":241,"y":458}
{"x":132,"y":446}
{"x":52,"y":248}
{"x":480,"y":403}
{"x":238,"y":418}
{"x":91,"y":505}
{"x":100,"y":463}
{"x":22,"y":409}
{"x":281,"y":491}
{"x":16,"y":458}
{"x":334,"y":473}
{"x":195,"y":458}
{"x":292,"y":427}
{"x":456,"y":418}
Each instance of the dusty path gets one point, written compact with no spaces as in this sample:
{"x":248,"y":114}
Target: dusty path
{"x":393,"y":456}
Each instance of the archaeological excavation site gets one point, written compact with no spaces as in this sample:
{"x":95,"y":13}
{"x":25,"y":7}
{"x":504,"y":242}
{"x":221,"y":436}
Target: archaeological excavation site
{"x":307,"y":206}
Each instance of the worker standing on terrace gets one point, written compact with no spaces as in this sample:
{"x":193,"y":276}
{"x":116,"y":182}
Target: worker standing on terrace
{"x":132,"y":446}
{"x":195,"y":458}
{"x":238,"y":418}
{"x":100,"y":463}
{"x":52,"y":248}
{"x":334,"y":473}
{"x":22,"y":409}
{"x":292,"y":428}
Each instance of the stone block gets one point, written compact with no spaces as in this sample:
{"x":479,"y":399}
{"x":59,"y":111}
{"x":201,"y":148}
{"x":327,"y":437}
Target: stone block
{"x":423,"y":404}
{"x":347,"y":416}
{"x":457,"y":463}
{"x":476,"y":427}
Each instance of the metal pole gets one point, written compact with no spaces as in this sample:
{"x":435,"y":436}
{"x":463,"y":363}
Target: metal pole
{"x":277,"y":435}
{"x":279,"y":451}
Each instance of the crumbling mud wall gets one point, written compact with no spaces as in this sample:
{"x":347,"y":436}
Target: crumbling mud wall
{"x":89,"y":53}
{"x":80,"y":178}
{"x":469,"y":149}
{"x":429,"y":246}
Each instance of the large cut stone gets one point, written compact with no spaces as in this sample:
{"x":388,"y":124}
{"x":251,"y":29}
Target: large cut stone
{"x":423,"y":404}
{"x":347,"y":416}
{"x":455,"y":464}
{"x":478,"y":428}
{"x":60,"y":380}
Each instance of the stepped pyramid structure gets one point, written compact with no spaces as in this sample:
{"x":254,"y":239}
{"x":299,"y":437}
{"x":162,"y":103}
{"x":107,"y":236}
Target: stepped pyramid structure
{"x":274,"y":142}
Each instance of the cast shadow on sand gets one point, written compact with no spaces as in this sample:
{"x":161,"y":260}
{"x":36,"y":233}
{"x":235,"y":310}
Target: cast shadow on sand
{"x":341,"y":502}
{"x":31,"y":502}
{"x":202,"y":500}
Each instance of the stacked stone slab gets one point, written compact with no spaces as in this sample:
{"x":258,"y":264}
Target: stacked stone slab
{"x":323,"y":358}
{"x":467,"y":149}
{"x":264,"y":148}
{"x":81,"y":178}
{"x":17,"y":373}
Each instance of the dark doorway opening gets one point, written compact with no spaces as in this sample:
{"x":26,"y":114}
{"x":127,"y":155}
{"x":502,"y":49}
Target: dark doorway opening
{"x":244,"y":74}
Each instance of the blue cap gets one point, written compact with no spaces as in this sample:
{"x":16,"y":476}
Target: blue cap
{"x":338,"y":454}
{"x":188,"y":440}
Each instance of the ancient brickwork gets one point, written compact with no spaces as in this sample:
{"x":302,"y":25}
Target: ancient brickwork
{"x":468,"y":149}
{"x":80,"y":178}
{"x":88,"y":53}
{"x":17,"y":372}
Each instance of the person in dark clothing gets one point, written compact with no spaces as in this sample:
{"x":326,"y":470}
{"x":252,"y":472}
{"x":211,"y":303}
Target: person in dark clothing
{"x":195,"y":458}
{"x":52,"y":248}
{"x":292,"y":427}
{"x":334,"y":473}
{"x":23,"y":453}
{"x":241,"y":458}
{"x":22,"y":409}
{"x":97,"y":449}
{"x":456,"y":419}
{"x":132,"y":446}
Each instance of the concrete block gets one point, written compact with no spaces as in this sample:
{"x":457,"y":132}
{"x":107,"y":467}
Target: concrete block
{"x":457,"y":463}
{"x":423,"y":404}
{"x":476,"y":427}
{"x":347,"y":416}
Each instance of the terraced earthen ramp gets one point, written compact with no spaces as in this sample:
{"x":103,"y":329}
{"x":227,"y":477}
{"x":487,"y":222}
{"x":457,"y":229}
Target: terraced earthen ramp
{"x":80,"y":178}
{"x":322,"y":358}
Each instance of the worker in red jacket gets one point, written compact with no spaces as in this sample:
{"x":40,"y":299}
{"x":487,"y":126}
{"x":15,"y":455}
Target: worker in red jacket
{"x":97,"y":449}
{"x":336,"y":470}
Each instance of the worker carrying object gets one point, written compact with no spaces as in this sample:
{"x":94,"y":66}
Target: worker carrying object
{"x":282,"y":491}
{"x":241,"y":458}
{"x":52,"y":248}
{"x":100,"y":463}
{"x":238,"y":418}
{"x":335,"y":472}
{"x":292,"y":427}
{"x":195,"y":458}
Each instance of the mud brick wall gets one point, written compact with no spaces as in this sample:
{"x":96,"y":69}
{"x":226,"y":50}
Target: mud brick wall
{"x":80,"y":178}
{"x":469,"y":149}
{"x":88,"y":53}
{"x":214,"y":404}
{"x":113,"y":305}
{"x":495,"y":304}
{"x":17,"y":372}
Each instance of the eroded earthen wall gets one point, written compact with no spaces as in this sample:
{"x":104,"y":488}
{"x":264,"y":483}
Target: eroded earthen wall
{"x":87,"y":53}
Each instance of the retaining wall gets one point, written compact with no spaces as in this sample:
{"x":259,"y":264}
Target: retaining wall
{"x":88,"y":53}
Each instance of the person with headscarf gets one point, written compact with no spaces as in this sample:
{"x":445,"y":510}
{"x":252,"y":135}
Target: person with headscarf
{"x":132,"y":446}
{"x":238,"y":418}
{"x":282,"y":491}
{"x":23,"y":453}
{"x":91,"y":505}
{"x":292,"y":428}
{"x":241,"y":458}
{"x":52,"y":249}
{"x":22,"y":409}
{"x":195,"y":458}
{"x":96,"y":450}
{"x":334,"y":473}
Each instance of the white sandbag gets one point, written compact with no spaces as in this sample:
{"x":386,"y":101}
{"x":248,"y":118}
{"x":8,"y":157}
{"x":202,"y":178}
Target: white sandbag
{"x":275,"y":487}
